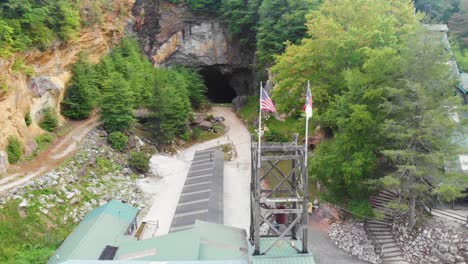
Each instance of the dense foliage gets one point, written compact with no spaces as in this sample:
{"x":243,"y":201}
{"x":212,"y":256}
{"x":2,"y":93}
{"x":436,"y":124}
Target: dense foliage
{"x":171,"y":106}
{"x":382,"y":87}
{"x":117,"y":104}
{"x":28,"y":23}
{"x":125,"y":80}
{"x":14,"y":150}
{"x":280,"y":21}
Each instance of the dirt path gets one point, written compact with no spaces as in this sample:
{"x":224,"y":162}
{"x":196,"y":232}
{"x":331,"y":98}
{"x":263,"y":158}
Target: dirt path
{"x":173,"y":172}
{"x":51,"y":158}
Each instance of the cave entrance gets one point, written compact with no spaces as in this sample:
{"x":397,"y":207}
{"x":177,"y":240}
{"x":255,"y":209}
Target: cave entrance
{"x":218,"y":84}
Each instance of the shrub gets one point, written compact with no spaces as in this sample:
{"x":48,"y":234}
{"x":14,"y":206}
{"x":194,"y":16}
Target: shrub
{"x":139,"y":161}
{"x":43,"y":141}
{"x":274,"y":136}
{"x":118,"y":140}
{"x":14,"y":150}
{"x":50,"y":120}
{"x":28,"y":119}
{"x":360,"y":208}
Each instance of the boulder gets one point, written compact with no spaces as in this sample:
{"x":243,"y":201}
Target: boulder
{"x":43,"y":84}
{"x":448,"y":258}
{"x":23,"y":203}
{"x":206,"y":125}
{"x":444,"y":248}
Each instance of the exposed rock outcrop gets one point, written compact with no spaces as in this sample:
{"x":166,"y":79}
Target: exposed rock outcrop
{"x":51,"y":73}
{"x":173,"y":35}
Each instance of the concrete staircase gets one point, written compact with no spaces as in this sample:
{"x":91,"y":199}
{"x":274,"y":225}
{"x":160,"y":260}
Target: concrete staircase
{"x":380,"y":231}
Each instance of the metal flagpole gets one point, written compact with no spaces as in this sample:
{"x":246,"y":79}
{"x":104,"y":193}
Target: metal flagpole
{"x":305,"y":204}
{"x":259,"y":163}
{"x":307,"y":126}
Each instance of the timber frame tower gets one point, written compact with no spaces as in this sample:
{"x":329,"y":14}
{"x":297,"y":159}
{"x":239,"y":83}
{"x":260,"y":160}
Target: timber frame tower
{"x":279,"y":212}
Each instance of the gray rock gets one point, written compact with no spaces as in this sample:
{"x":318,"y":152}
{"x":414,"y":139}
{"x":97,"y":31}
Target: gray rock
{"x":453,"y":249}
{"x":448,"y":258}
{"x":4,"y":164}
{"x":443,"y":248}
{"x":463,"y":247}
{"x":43,"y":84}
{"x":127,"y":171}
{"x":459,"y":259}
{"x":206,"y":125}
{"x":23,"y":203}
{"x":44,"y":211}
{"x":239,"y":102}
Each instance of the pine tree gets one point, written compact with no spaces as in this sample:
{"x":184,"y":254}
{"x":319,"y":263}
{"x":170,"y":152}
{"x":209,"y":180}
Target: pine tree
{"x":117,"y":104}
{"x":171,"y":106}
{"x":419,"y":126}
{"x":82,"y":93}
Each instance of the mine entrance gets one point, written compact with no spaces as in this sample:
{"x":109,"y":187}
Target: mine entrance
{"x":219,"y":89}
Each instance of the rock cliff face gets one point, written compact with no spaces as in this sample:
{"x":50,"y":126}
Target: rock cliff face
{"x":172,"y":35}
{"x":23,"y":94}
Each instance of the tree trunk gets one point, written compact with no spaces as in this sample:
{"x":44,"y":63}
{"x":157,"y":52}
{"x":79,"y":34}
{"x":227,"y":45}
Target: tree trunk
{"x":412,"y":216}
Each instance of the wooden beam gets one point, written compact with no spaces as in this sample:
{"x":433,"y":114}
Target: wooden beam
{"x":281,"y":200}
{"x":283,"y":211}
{"x":286,"y":157}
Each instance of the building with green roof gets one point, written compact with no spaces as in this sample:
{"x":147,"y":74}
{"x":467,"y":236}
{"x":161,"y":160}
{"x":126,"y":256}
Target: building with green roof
{"x":106,"y":236}
{"x":103,"y":226}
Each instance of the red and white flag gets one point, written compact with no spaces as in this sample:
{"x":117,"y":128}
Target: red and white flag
{"x":266,"y":103}
{"x":309,"y":103}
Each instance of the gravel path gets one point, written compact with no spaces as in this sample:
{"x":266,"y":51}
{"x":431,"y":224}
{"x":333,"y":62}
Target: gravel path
{"x":62,"y":148}
{"x":324,"y":250}
{"x":173,"y":172}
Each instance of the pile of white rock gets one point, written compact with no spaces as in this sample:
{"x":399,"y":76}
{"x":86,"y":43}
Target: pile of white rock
{"x":351,"y":237}
{"x":75,"y":187}
{"x":438,"y":241}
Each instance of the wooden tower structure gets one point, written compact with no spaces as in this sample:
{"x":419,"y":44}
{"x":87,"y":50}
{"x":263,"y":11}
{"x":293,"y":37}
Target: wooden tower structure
{"x":279,"y":196}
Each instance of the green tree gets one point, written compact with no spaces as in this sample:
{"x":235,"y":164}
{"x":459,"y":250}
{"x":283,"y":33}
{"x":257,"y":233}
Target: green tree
{"x":117,"y":104}
{"x":171,"y":105}
{"x":351,"y":59}
{"x":241,"y":18}
{"x":280,"y":21}
{"x":418,"y":125}
{"x":82,"y":93}
{"x":195,"y":86}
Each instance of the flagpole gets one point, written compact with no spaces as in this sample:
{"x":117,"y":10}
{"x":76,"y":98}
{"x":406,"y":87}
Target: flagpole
{"x":259,"y":163}
{"x":307,"y":130}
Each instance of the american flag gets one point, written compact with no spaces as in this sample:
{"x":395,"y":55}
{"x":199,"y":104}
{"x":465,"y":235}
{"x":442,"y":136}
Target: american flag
{"x":267,"y":103}
{"x":308,"y":104}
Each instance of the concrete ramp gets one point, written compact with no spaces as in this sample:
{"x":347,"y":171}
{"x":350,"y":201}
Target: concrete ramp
{"x":202,"y":195}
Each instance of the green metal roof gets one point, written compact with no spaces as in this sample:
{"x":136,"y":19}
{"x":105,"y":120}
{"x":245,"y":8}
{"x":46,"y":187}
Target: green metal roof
{"x":102,"y":226}
{"x":154,"y":262}
{"x":281,"y":253}
{"x":205,"y":241}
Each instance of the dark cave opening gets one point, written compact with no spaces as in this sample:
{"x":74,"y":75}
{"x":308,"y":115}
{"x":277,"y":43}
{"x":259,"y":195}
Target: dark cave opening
{"x":219,"y":88}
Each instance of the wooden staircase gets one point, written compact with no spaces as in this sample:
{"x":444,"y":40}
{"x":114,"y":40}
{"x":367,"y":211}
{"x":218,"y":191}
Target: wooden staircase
{"x":380,"y":231}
